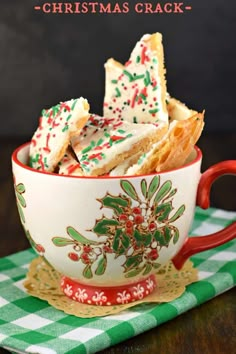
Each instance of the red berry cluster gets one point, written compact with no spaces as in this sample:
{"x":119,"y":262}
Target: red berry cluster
{"x":133,"y":219}
{"x":84,"y":255}
{"x":153,"y":255}
{"x":136,"y":219}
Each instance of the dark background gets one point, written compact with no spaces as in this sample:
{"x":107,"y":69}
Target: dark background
{"x":48,"y":58}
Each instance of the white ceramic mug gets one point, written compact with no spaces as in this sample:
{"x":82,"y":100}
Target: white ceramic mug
{"x":109,"y":235}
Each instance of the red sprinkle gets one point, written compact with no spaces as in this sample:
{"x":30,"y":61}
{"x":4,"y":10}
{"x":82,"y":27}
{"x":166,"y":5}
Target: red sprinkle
{"x":144,"y":91}
{"x":33,"y":142}
{"x":117,"y":124}
{"x":128,"y":62}
{"x":143,"y":55}
{"x":134,"y":98}
{"x":64,"y":105}
{"x":116,"y":137}
{"x":40,"y":161}
{"x":154,"y":83}
{"x":72,"y":168}
{"x":47,"y":149}
{"x":95,"y":156}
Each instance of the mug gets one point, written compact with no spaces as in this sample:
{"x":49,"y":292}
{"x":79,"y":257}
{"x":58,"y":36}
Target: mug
{"x":108,"y":236}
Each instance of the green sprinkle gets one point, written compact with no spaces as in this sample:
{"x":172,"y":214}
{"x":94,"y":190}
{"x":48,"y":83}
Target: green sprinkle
{"x":134,"y":120}
{"x":121,"y":131}
{"x":66,"y":127}
{"x":130,"y":76}
{"x":69,"y":117}
{"x":44,"y":113}
{"x":155,"y":60}
{"x":119,"y":141}
{"x":142,"y":157}
{"x":147,"y":79}
{"x":142,"y":96}
{"x":73,"y":105}
{"x":155,"y":88}
{"x":87,"y":149}
{"x":118,"y":94}
{"x":85,"y":157}
{"x":114,"y":81}
{"x":154,"y":110}
{"x":45,"y":161}
{"x":137,"y":77}
{"x":107,"y":135}
{"x":85,"y":167}
{"x":55,"y":109}
{"x":100,"y":141}
{"x":93,"y":143}
{"x":138,"y":59}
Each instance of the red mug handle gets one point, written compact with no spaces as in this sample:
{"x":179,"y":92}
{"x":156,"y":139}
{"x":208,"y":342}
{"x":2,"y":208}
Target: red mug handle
{"x":194,"y":245}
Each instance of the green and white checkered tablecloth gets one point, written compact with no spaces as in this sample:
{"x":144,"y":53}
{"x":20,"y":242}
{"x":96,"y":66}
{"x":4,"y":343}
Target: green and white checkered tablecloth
{"x":30,"y":325}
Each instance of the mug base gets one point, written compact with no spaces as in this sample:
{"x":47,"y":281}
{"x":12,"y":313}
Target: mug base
{"x":107,"y":296}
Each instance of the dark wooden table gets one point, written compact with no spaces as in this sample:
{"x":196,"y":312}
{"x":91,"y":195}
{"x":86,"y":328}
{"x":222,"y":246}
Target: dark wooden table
{"x":211,"y":327}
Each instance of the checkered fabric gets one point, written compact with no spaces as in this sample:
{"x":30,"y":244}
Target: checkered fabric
{"x":30,"y":325}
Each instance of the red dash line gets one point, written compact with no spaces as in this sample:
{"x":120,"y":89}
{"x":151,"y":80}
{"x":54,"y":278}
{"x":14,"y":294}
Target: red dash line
{"x":188,"y":7}
{"x":37,"y":8}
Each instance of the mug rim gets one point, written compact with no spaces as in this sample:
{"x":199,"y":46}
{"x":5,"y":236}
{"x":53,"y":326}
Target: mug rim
{"x":16,"y":160}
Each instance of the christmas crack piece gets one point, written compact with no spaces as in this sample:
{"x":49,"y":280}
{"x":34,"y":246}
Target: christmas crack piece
{"x":104,"y":143}
{"x":137,"y":90}
{"x":69,"y":165}
{"x":56,"y":127}
{"x":173,"y":149}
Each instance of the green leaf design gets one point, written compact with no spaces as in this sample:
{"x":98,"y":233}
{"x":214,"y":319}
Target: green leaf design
{"x":20,"y":188}
{"x":163,"y":211}
{"x":78,"y":237}
{"x":159,"y":237}
{"x":173,"y":192}
{"x":178,"y":213}
{"x":153,"y":187}
{"x":168,"y":234}
{"x":121,"y":242}
{"x":147,"y":269}
{"x":156,"y":265}
{"x":163,"y":191}
{"x":116,"y":240}
{"x":22,"y":216}
{"x":21,"y":199}
{"x":61,"y":241}
{"x":125,"y":241}
{"x":144,"y":187}
{"x":133,"y":273}
{"x":31,"y":241}
{"x":142,"y":239}
{"x":87,"y":272}
{"x":116,"y":203}
{"x":176,"y":235}
{"x":129,"y":189}
{"x":133,"y":262}
{"x":102,"y":264}
{"x":102,"y":226}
